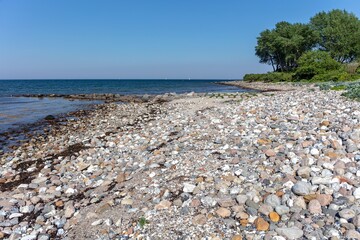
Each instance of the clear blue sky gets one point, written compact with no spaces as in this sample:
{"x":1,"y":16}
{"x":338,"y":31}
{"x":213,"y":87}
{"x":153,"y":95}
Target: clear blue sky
{"x":142,"y":38}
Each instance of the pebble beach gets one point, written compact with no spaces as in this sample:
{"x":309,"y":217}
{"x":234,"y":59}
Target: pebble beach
{"x":278,"y":164}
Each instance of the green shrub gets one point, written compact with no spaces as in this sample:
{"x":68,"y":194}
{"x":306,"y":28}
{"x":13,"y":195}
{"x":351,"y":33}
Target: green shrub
{"x":314,"y":63}
{"x":332,"y":76}
{"x":269,"y":77}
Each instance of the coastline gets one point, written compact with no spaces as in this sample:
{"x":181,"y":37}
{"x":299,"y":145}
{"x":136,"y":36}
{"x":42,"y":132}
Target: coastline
{"x":261,"y":86}
{"x":192,"y":166}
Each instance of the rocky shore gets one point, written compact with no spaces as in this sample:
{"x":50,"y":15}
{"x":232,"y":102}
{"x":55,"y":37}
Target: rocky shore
{"x":272,"y":165}
{"x":263,"y":87}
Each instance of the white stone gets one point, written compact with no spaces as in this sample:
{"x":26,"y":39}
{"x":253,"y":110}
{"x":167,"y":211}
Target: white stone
{"x":189,"y":188}
{"x":97,"y":222}
{"x":356,"y":193}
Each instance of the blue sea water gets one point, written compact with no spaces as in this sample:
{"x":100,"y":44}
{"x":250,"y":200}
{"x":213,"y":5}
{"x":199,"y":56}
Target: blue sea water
{"x":15,"y":111}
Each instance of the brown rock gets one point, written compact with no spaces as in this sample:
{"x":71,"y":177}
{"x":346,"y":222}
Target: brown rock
{"x":165,"y":204}
{"x":121,"y":178}
{"x":103,"y":208}
{"x":223,"y":212}
{"x":199,"y":179}
{"x":263,"y":141}
{"x":244,"y":222}
{"x":270,"y":153}
{"x":325,"y":123}
{"x":59,"y":203}
{"x":199,"y":219}
{"x":332,"y":155}
{"x":236,"y":237}
{"x":195,"y":203}
{"x":306,"y":144}
{"x":324,"y":199}
{"x":274,"y":217}
{"x":310,"y":197}
{"x":261,"y":224}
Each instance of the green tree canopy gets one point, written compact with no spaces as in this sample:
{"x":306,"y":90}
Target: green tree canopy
{"x":339,"y":33}
{"x":281,"y":47}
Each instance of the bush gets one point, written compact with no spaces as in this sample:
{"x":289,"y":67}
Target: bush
{"x":269,"y":77}
{"x":314,"y":63}
{"x":332,"y":76}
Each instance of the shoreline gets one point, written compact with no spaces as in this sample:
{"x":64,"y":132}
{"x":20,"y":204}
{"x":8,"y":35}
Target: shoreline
{"x":225,"y":166}
{"x":261,"y":86}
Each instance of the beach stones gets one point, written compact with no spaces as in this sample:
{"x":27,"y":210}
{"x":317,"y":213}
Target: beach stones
{"x":249,"y":167}
{"x":301,"y":188}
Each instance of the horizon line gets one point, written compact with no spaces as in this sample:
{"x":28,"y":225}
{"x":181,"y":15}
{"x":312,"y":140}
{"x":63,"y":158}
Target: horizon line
{"x":165,"y":79}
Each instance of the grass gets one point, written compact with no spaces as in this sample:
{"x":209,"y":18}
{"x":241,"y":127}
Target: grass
{"x":143,"y":222}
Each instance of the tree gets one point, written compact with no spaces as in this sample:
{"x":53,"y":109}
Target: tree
{"x":339,"y":33}
{"x":281,"y":47}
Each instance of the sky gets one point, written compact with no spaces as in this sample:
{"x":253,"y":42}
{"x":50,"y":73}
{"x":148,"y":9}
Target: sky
{"x":142,"y":39}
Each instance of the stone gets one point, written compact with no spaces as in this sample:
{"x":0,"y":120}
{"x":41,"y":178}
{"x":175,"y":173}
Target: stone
{"x":226,"y":202}
{"x":314,"y":207}
{"x":265,"y":209}
{"x":324,"y":199}
{"x":121,"y":177}
{"x":352,"y":234}
{"x":300,"y":202}
{"x":208,"y":201}
{"x":272,"y":200}
{"x":261,"y":224}
{"x":188,"y":188}
{"x":165,"y":204}
{"x":127,"y":201}
{"x":314,"y":152}
{"x":356,"y":221}
{"x":241,"y":199}
{"x":97,"y":222}
{"x":347,"y":213}
{"x":274,"y":217}
{"x":270,"y":153}
{"x":301,"y":188}
{"x":199,"y":219}
{"x":356,"y":193}
{"x":223,"y":212}
{"x":59,"y":203}
{"x":281,"y":209}
{"x":321,"y":180}
{"x":290,"y":232}
{"x":237,"y":237}
{"x":304,"y":172}
{"x":69,"y":211}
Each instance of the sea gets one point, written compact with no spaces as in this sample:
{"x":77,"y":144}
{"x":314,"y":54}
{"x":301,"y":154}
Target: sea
{"x":18,"y":111}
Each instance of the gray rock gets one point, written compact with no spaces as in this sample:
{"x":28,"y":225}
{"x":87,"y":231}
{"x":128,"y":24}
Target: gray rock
{"x":208,"y":201}
{"x":290,"y":232}
{"x":301,"y":188}
{"x":281,"y":209}
{"x":241,"y":199}
{"x":321,"y":180}
{"x":272,"y":200}
{"x":347,"y":213}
